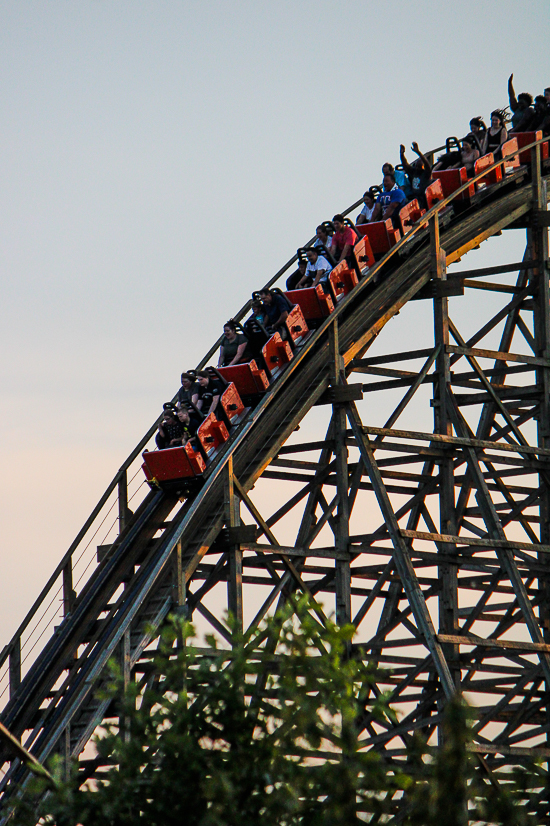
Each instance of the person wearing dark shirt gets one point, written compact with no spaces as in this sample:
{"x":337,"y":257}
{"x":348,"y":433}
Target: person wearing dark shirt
{"x":496,"y":134}
{"x":189,"y":426}
{"x":342,"y":241}
{"x":209,"y":393}
{"x":477,"y":132}
{"x":541,"y":118}
{"x":419,"y":174}
{"x":294,"y":278}
{"x":187,"y":390}
{"x":234,"y":347}
{"x":170,"y":431}
{"x":521,"y":107}
{"x":389,"y":202}
{"x":276,"y":309}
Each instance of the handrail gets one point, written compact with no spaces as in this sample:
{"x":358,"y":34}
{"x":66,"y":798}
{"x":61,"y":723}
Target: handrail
{"x":421,"y":224}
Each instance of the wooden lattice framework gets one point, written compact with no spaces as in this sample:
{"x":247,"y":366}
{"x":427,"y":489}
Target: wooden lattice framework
{"x":448,"y":582}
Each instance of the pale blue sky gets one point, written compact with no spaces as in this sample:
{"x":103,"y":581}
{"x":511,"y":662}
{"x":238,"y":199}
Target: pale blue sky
{"x":162,"y":158}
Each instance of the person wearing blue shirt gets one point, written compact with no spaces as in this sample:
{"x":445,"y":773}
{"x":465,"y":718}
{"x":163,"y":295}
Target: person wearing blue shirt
{"x":389,"y":202}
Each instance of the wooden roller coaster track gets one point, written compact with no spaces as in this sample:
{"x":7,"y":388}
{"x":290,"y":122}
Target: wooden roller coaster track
{"x":434,"y":542}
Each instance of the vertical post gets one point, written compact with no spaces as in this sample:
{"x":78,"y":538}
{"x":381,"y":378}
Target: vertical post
{"x":448,"y":584}
{"x":339,"y":419}
{"x":66,"y":746}
{"x":15,"y":666}
{"x":68,"y":592}
{"x":537,"y":242}
{"x":126,"y":668}
{"x":232,"y":508}
{"x":122,"y":500}
{"x":179,"y":590}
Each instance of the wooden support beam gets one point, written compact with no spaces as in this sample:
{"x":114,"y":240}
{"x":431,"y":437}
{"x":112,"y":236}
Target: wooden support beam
{"x":235,"y":554}
{"x":455,"y":440}
{"x":341,"y":529}
{"x":506,"y":645}
{"x":402,"y":557}
{"x":470,"y":541}
{"x":477,"y":352}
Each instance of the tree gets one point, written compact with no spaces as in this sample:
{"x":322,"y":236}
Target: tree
{"x":265,"y":733}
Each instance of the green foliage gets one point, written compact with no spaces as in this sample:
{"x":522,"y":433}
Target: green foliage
{"x":265,"y":733}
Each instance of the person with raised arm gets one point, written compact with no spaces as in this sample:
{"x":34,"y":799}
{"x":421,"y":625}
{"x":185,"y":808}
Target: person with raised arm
{"x":521,"y":106}
{"x":419,"y":173}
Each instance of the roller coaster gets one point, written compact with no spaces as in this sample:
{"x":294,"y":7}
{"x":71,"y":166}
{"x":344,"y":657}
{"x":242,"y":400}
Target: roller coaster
{"x":433,"y":542}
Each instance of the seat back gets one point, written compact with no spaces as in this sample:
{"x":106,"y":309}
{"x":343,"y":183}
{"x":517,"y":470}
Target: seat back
{"x":173,"y":463}
{"x":380,"y":234}
{"x":314,"y":302}
{"x":451,"y":180}
{"x":363,"y":253}
{"x":212,"y":433}
{"x":410,"y":214}
{"x":232,"y":405}
{"x":296,"y":325}
{"x":257,"y":336}
{"x":249,"y":379}
{"x":277,"y":353}
{"x":342,"y":280}
{"x":509,"y":147}
{"x":492,"y":177}
{"x":434,"y":193}
{"x":524,"y":139}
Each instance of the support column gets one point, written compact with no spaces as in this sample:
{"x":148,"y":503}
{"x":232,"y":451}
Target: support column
{"x":537,"y":242}
{"x":126,"y":668}
{"x":179,"y":589}
{"x":15,"y":667}
{"x":448,"y":584}
{"x":68,"y":591}
{"x":123,"y":511}
{"x":235,"y":577}
{"x":339,"y":420}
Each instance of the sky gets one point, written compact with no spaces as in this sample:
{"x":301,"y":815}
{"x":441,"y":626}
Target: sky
{"x":161,"y":159}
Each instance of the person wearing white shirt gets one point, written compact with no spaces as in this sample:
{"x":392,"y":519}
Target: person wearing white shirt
{"x":318,"y":268}
{"x":369,"y":202}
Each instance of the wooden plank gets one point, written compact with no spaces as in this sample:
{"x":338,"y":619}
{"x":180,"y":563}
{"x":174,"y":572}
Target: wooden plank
{"x":495,"y":288}
{"x":473,"y":541}
{"x":517,"y":751}
{"x":453,"y":440}
{"x":512,"y":645}
{"x":498,"y":270}
{"x":389,"y":357}
{"x":496,"y":355}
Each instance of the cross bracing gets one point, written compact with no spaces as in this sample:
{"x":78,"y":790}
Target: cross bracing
{"x":433,"y":541}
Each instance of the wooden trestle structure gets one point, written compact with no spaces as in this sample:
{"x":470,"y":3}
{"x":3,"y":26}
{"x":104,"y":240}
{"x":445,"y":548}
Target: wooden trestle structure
{"x":435,"y":543}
